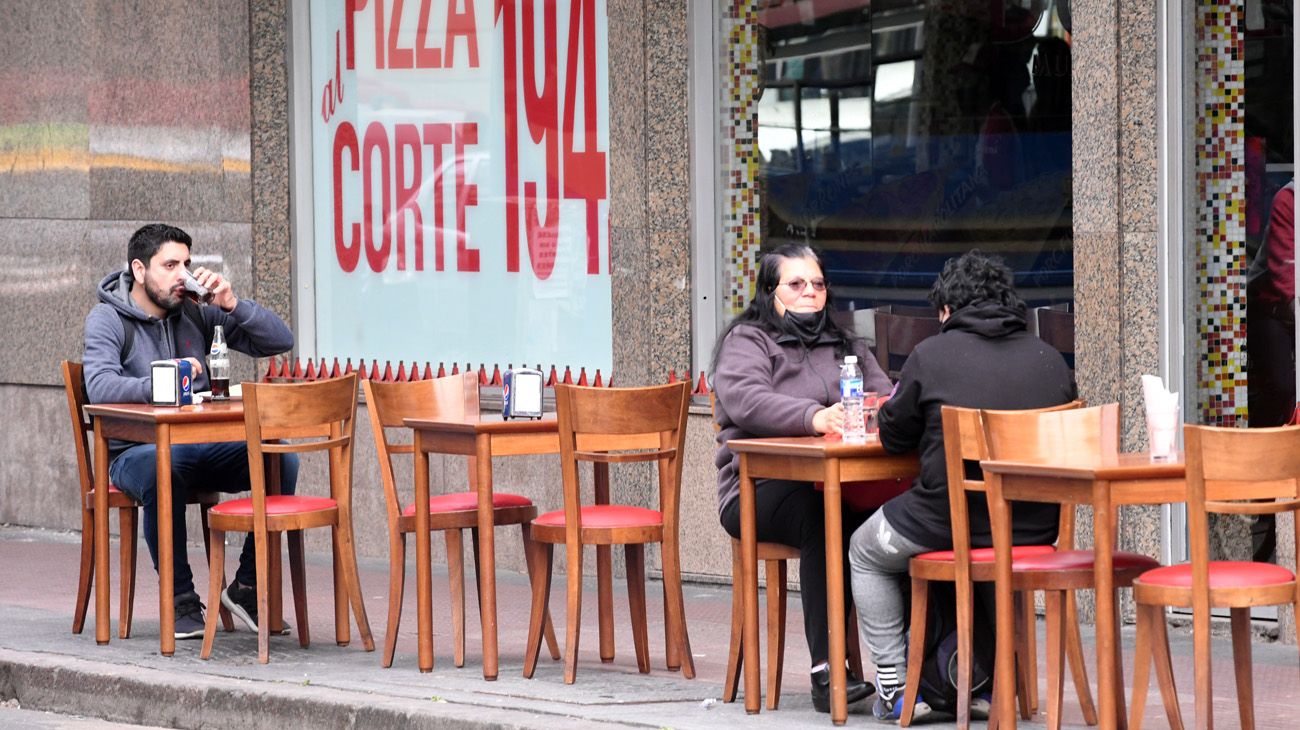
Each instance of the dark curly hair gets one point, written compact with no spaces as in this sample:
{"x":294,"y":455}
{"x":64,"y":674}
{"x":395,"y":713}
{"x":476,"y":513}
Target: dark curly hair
{"x":972,"y":278}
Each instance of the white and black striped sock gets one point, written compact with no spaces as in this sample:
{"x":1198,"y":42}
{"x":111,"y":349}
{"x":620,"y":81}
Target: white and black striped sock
{"x":887,"y":681}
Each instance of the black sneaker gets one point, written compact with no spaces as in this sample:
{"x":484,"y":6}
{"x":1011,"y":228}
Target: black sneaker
{"x":889,"y":704}
{"x":188,"y":612}
{"x":855,"y":689}
{"x":242,"y":603}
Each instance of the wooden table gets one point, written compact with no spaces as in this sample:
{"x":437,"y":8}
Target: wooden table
{"x":162,"y":426}
{"x":1105,"y":482}
{"x":480,"y":436}
{"x":808,"y":459}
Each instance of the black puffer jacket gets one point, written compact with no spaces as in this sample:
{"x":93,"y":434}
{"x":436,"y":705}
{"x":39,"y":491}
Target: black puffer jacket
{"x":982,"y":358}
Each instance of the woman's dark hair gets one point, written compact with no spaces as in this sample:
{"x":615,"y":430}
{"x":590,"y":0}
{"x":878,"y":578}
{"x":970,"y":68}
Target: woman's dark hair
{"x":762,"y":309}
{"x":971,"y":278}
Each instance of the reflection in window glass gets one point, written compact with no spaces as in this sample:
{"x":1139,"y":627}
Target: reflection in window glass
{"x":894,"y":135}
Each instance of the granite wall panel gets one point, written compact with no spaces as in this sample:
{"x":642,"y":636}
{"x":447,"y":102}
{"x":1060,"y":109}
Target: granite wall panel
{"x":269,"y":107}
{"x":1097,"y":244}
{"x":169,"y":120}
{"x":1137,"y":124}
{"x":627,"y":116}
{"x":110,"y":122}
{"x":45,"y":79}
{"x":668,"y":158}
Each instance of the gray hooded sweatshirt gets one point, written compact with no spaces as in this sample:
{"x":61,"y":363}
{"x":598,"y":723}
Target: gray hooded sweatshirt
{"x":113,"y":376}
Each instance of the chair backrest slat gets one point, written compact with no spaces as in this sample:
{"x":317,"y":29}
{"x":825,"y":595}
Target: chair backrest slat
{"x":621,"y":411}
{"x":1013,"y":435}
{"x":616,"y":441}
{"x":306,"y":408}
{"x":74,"y":387}
{"x":604,"y":457}
{"x":1237,"y":464}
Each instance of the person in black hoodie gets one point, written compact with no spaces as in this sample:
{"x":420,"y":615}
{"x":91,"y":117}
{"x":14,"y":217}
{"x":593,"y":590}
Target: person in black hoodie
{"x":983,"y":357}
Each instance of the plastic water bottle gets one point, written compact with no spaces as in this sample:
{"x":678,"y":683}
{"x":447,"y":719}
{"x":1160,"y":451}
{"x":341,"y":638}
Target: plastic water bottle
{"x":855,"y":430}
{"x":219,"y":365}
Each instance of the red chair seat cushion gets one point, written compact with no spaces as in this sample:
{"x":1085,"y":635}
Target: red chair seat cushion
{"x":1082,"y":560}
{"x":607,"y":516}
{"x":463,"y":501}
{"x":1223,"y":574}
{"x":985,"y":555}
{"x":279,"y":504}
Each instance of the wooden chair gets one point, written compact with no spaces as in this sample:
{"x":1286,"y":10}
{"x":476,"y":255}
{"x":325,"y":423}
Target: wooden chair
{"x":774,"y":556}
{"x":452,"y":396}
{"x":294,"y":418}
{"x":74,"y":387}
{"x":1229,"y":471}
{"x":610,"y":426}
{"x":1056,"y":328}
{"x":898,"y":333}
{"x":1028,"y":435}
{"x":963,"y":437}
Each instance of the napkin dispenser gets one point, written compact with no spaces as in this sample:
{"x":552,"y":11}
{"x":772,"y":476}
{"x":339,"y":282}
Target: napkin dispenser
{"x":521,"y":393}
{"x":171,"y":383}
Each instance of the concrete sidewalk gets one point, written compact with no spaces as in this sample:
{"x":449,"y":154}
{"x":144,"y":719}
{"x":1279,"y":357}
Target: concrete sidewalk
{"x":45,"y":667}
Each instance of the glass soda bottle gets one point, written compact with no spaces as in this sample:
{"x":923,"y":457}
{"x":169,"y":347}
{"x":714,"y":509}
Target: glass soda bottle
{"x":219,"y":365}
{"x":855,"y":430}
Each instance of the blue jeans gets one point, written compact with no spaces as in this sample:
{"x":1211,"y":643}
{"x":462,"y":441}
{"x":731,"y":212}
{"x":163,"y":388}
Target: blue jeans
{"x":221,"y":467}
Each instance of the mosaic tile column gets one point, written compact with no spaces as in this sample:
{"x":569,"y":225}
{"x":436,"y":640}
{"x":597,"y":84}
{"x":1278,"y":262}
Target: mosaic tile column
{"x":1220,"y":218}
{"x":739,"y":161}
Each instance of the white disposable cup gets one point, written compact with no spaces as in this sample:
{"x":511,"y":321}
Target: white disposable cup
{"x":1162,"y":433}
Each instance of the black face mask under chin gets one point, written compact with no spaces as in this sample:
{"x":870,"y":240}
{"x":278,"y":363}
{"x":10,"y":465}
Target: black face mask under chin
{"x":808,"y":327}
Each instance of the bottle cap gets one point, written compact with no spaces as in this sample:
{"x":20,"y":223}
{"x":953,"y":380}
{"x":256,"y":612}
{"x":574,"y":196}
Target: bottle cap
{"x":850,"y":359}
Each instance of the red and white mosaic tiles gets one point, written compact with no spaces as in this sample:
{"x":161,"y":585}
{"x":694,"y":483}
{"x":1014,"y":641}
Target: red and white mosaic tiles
{"x":1220,"y":216}
{"x":741,"y":73}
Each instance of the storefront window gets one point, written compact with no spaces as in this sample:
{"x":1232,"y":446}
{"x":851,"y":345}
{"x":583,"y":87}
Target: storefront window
{"x":893,"y":136}
{"x":459,"y":177}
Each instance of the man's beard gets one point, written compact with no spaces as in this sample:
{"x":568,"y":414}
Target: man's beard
{"x":163,"y":299}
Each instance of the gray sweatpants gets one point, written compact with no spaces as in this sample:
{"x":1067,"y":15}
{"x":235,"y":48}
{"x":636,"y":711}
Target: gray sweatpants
{"x":878,"y":558}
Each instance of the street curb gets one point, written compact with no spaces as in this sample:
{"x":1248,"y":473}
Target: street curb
{"x":143,"y":696}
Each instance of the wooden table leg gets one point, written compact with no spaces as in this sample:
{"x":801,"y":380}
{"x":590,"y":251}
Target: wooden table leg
{"x":1004,"y":673}
{"x":102,"y":584}
{"x":275,"y":580}
{"x":749,"y":588}
{"x":487,"y":577}
{"x":166,"y":565}
{"x":1108,"y":686}
{"x":605,"y":576}
{"x":423,"y":569}
{"x":835,"y":591}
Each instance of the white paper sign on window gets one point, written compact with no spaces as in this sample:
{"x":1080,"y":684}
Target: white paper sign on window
{"x":461,"y":181}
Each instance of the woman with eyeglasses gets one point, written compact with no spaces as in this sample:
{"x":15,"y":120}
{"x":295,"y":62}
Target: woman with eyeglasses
{"x":776,"y":373}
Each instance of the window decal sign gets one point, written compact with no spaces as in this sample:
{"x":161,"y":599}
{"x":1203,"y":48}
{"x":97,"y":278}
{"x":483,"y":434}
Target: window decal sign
{"x":461,"y":175}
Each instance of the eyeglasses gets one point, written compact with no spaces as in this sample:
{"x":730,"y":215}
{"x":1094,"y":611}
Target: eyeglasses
{"x":798,"y":285}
